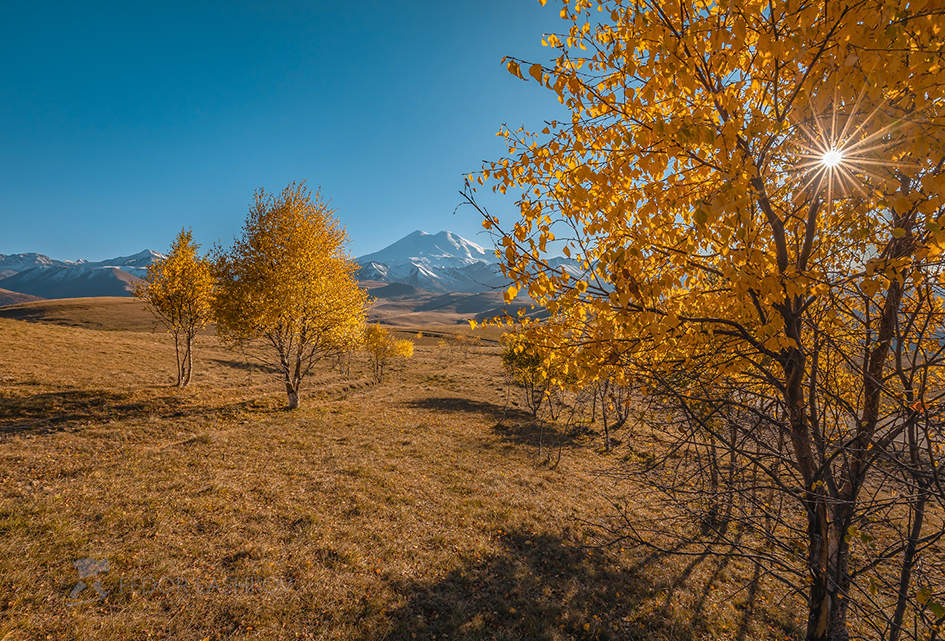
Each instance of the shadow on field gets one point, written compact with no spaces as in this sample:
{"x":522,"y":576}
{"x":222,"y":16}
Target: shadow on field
{"x":512,"y":424}
{"x":54,"y":411}
{"x":540,"y":588}
{"x":534,"y":432}
{"x":247,"y":366}
{"x":33,"y":315}
{"x":66,"y":409}
{"x":453,"y":404}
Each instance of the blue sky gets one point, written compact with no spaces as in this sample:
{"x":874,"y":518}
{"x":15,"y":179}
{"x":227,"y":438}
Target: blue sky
{"x":123,"y":122}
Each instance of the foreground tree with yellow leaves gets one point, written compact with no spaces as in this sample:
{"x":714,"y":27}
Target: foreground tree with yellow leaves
{"x":179,"y":291}
{"x":288,"y":281}
{"x":754,"y":191}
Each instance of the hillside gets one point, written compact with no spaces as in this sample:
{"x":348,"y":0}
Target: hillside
{"x":104,"y":313}
{"x":412,"y":509}
{"x":8,"y":297}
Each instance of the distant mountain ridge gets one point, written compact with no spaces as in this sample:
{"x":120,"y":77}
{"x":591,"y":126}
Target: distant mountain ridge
{"x":415,"y":267}
{"x":38,"y":275}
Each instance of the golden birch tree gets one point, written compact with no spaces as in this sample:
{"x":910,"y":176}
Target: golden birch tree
{"x":754,"y":191}
{"x":382,"y":348}
{"x":288,"y":281}
{"x":179,"y":291}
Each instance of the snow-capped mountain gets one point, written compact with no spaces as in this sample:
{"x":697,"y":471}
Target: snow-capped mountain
{"x":444,"y":249}
{"x":13,"y":263}
{"x":45,"y":277}
{"x":443,"y":262}
{"x":136,"y":264}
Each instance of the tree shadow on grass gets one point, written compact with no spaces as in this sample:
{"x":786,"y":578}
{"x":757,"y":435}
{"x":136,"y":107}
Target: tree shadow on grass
{"x":535,"y":433}
{"x":247,"y":366}
{"x":468,"y":406}
{"x":62,"y":410}
{"x":512,"y":425}
{"x":538,"y":588}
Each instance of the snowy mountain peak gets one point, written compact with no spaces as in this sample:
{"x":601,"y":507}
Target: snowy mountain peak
{"x":142,"y":259}
{"x":443,"y":249}
{"x":444,"y":261}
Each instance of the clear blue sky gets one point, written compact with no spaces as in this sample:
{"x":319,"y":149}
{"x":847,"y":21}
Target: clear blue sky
{"x":123,"y":122}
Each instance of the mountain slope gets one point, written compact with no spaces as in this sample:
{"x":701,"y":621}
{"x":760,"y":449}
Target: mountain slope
{"x":40,"y":276}
{"x":71,"y":282}
{"x":8,"y":297}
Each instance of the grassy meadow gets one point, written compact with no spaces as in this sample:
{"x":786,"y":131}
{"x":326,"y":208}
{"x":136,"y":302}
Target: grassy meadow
{"x":416,"y":508}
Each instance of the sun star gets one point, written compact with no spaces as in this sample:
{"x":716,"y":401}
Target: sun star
{"x":831,"y":158}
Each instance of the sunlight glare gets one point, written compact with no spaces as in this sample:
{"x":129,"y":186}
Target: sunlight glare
{"x":831,"y":158}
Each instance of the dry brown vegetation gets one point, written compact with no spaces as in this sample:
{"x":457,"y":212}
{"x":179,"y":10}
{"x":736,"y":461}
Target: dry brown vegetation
{"x":416,"y":508}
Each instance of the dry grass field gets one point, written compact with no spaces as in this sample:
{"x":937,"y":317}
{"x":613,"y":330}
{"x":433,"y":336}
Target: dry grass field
{"x":411,"y":509}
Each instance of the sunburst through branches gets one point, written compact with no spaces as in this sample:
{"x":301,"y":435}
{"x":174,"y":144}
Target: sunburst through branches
{"x":843,"y":149}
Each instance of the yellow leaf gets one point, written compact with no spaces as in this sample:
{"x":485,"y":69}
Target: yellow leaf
{"x":535,"y":72}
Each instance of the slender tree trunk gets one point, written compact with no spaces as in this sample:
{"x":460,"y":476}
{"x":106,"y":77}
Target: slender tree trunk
{"x":839,"y":573}
{"x":603,"y":388}
{"x":715,"y":492}
{"x":190,"y":358}
{"x":187,"y":363}
{"x":603,"y":418}
{"x":910,"y":554}
{"x":908,"y":563}
{"x":180,"y":371}
{"x":819,"y":602}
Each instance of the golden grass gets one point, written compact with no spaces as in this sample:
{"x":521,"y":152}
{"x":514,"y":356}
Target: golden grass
{"x":393,"y":511}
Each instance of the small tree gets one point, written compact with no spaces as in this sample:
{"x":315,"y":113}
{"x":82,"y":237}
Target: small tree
{"x":179,"y":291}
{"x":382,"y":348}
{"x":524,"y":365}
{"x":288,"y":281}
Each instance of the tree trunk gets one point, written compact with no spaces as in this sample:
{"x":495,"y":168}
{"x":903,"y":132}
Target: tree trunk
{"x":603,"y":418}
{"x":188,"y":361}
{"x":190,"y":358}
{"x":603,"y":388}
{"x":828,"y":567}
{"x":819,"y":602}
{"x":292,"y":392}
{"x":180,"y":377}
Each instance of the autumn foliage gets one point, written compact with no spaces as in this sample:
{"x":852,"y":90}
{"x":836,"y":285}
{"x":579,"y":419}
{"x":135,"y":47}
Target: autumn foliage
{"x":755,"y":194}
{"x":179,"y":290}
{"x":288,"y":281}
{"x":383,"y":348}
